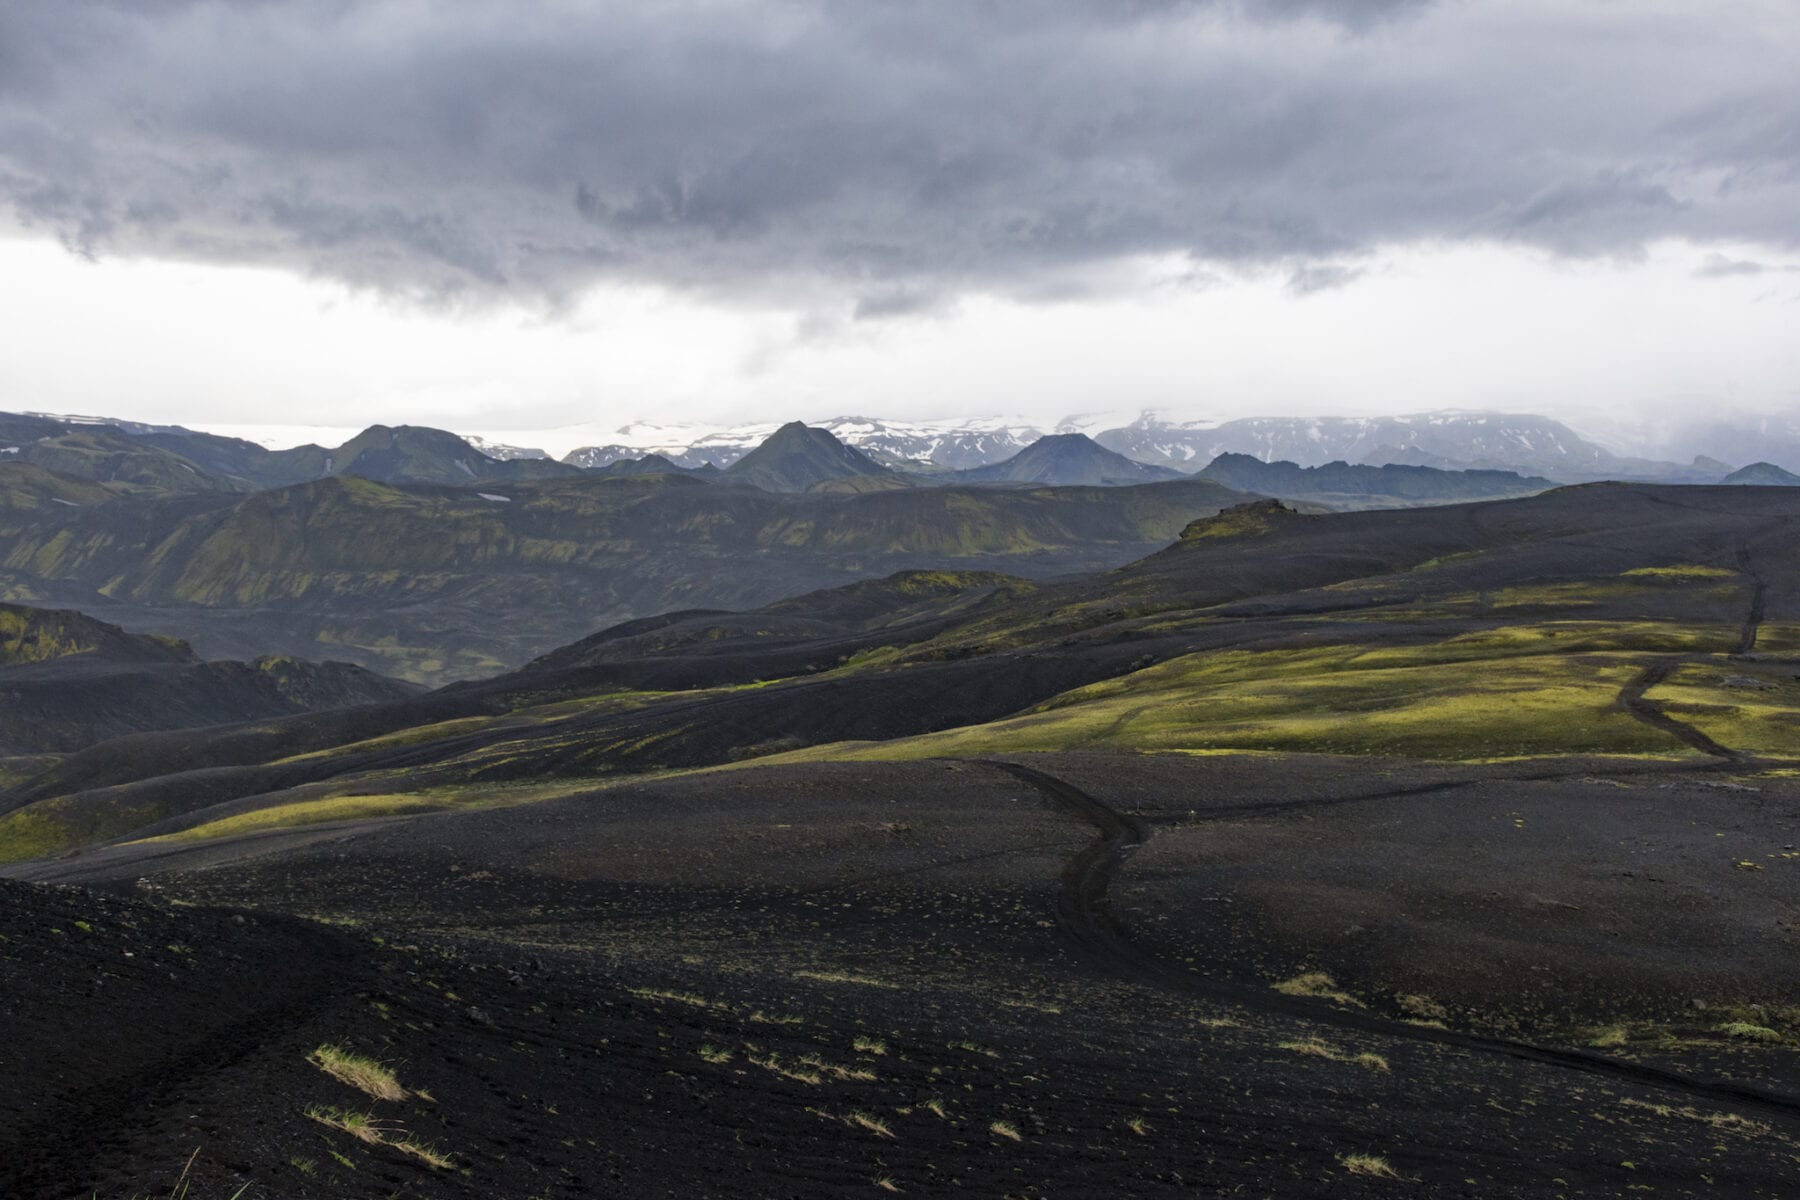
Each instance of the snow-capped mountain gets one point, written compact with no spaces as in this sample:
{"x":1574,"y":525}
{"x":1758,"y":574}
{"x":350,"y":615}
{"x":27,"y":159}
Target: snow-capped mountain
{"x":502,"y":451}
{"x":1450,"y":440}
{"x":952,"y":445}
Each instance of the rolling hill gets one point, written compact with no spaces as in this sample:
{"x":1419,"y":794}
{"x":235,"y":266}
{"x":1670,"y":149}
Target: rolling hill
{"x":68,"y":681}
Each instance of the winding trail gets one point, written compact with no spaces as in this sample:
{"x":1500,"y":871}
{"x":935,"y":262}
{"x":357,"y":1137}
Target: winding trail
{"x":1631,"y":698}
{"x":1758,"y":600}
{"x":1632,"y":695}
{"x":1089,"y":923}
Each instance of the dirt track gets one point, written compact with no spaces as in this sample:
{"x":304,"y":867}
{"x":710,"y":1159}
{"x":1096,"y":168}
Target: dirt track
{"x":1086,"y":917}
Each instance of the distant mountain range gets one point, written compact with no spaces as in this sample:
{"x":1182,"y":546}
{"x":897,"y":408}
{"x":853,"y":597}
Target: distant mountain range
{"x":946,"y":445}
{"x":435,"y":583}
{"x":128,"y":459}
{"x":1344,"y":485}
{"x":1523,"y":443}
{"x":1529,"y":445}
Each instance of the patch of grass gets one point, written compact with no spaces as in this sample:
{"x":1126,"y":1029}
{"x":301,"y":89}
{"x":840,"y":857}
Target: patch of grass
{"x":1726,"y":1122}
{"x":1138,"y":1126}
{"x":364,"y":1074}
{"x":1680,"y":571}
{"x":305,"y":812}
{"x":1318,"y":986}
{"x":867,"y":1045}
{"x":1738,"y":706}
{"x":1319,"y":1048}
{"x":814,"y":1063}
{"x":1007,"y":1130}
{"x":1745,"y":1031}
{"x":1372,"y":1165}
{"x":687,"y":998}
{"x":365,"y":1128}
{"x":431,"y":1156}
{"x":874,"y":1125}
{"x":842,"y":977}
{"x":774,"y":1064}
{"x":361,"y":1126}
{"x":1543,"y":689}
{"x":1608,"y":1037}
{"x":1422,"y":1007}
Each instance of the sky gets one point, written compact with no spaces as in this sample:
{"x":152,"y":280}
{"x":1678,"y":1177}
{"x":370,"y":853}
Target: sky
{"x":539,"y":220}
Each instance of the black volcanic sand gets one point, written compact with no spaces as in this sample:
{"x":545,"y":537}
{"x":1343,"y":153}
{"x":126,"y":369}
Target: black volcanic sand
{"x":840,"y":980}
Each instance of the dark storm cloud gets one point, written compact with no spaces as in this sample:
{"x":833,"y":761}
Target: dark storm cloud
{"x":894,"y":152}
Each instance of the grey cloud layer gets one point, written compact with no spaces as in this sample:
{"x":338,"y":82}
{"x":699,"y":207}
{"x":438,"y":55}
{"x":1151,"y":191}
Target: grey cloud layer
{"x":891,"y":151}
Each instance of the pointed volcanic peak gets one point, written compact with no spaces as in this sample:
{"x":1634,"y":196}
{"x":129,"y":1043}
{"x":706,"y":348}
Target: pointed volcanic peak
{"x":1068,"y":460}
{"x":419,"y":454}
{"x":1762,"y":474}
{"x":800,"y":458}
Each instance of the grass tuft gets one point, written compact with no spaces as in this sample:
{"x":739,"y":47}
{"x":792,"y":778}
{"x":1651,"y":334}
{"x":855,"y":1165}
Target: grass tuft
{"x":1745,"y":1031}
{"x":875,"y":1125}
{"x":1319,"y":1048}
{"x":364,"y":1074}
{"x":365,"y":1128}
{"x":1318,"y":986}
{"x":1007,"y":1130}
{"x":1372,"y":1165}
{"x":361,"y":1126}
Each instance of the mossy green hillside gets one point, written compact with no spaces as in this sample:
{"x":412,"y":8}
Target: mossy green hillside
{"x":369,"y":806}
{"x":1523,"y":691}
{"x":1747,"y":707}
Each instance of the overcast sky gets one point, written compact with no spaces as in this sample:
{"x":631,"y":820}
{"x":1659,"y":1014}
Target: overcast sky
{"x":506,"y":215}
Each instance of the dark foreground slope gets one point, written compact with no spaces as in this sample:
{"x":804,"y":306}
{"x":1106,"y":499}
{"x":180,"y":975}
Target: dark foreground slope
{"x":812,"y":981}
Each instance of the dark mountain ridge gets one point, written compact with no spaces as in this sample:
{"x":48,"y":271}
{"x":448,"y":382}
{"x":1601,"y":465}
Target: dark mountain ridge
{"x":1343,"y":485}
